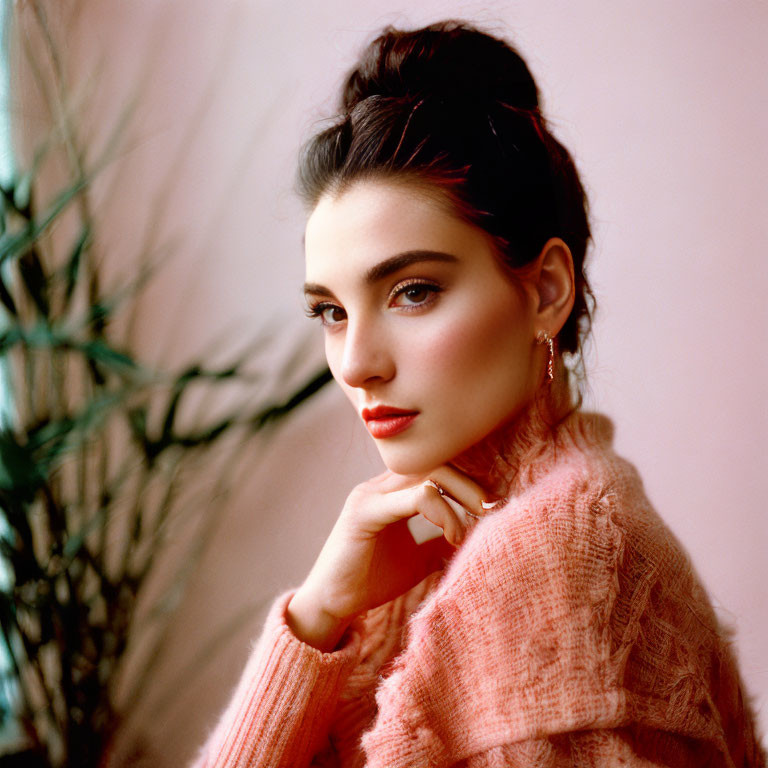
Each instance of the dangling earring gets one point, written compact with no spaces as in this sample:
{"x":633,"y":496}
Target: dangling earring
{"x":542,"y":337}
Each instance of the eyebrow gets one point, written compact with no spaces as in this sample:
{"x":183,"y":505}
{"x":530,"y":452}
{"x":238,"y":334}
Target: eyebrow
{"x":388,"y":267}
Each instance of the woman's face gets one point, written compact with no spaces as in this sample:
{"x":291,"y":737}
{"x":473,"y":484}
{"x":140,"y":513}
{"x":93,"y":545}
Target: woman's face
{"x":431,"y":342}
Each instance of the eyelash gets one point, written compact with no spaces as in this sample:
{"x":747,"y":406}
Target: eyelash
{"x":317,"y":309}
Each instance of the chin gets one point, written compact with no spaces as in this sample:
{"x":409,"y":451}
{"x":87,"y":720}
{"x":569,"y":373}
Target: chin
{"x":401,"y":463}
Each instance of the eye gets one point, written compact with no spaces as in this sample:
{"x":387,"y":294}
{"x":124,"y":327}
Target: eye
{"x":414,"y":294}
{"x":329,"y":314}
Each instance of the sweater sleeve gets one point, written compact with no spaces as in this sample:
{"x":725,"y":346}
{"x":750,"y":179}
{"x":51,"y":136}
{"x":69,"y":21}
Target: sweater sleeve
{"x":280,"y":711}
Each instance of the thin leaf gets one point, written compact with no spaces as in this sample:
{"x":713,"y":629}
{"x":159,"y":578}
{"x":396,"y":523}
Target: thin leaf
{"x":13,"y":336}
{"x":205,"y":436}
{"x":72,"y":269}
{"x":35,"y":280}
{"x":100,"y":352}
{"x":98,"y":314}
{"x":18,"y":194}
{"x":76,"y":540}
{"x":22,"y":192}
{"x":9,"y":199}
{"x":5,"y":296}
{"x":12,"y":245}
{"x":275,"y":412}
{"x":137,"y":421}
{"x":49,"y":438}
{"x":44,"y":334}
{"x":20,"y":474}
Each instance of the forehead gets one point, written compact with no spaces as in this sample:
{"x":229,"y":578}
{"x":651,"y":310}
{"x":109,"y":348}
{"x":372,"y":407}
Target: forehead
{"x":374,"y":219}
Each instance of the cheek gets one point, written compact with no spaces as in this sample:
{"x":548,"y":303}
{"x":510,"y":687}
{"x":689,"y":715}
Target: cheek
{"x":475,"y":342}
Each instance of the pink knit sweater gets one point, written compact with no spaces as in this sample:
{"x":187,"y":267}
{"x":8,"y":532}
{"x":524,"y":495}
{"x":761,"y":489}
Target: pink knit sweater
{"x":569,"y":629}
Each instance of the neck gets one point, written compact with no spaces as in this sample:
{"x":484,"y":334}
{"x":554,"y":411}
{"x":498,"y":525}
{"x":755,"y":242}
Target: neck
{"x":495,"y":462}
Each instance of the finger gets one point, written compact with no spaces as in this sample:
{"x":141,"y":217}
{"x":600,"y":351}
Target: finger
{"x":382,"y":508}
{"x":438,"y":510}
{"x":461,"y":489}
{"x":457,"y":508}
{"x":421,"y":501}
{"x":464,"y":516}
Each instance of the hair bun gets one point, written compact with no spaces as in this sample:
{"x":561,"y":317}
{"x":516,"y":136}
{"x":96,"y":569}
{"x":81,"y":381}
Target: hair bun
{"x":449,"y":60}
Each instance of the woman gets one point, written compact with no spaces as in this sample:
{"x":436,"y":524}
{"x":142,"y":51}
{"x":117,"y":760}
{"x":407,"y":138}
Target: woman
{"x":555,"y":621}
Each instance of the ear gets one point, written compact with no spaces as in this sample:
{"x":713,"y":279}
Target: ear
{"x":554,"y":286}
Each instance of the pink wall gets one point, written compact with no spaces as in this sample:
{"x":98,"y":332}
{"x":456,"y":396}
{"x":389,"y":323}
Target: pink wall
{"x":666,"y":109}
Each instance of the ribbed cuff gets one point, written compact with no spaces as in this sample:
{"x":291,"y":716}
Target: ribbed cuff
{"x":329,"y":664}
{"x":280,"y":712}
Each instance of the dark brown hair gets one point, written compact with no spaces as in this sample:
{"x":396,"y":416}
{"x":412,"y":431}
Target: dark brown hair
{"x":458,"y":108}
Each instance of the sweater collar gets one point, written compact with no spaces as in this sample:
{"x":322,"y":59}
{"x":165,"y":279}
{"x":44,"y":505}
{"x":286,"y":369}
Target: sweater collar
{"x":518,"y":454}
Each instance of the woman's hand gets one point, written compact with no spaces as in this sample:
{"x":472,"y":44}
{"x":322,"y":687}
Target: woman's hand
{"x":370,"y":556}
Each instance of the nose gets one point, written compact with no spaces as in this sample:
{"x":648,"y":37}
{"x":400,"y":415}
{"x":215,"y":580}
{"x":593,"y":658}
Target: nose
{"x":367,"y":355}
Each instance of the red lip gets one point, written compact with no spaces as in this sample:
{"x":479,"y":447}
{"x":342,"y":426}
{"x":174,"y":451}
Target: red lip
{"x":383,"y":411}
{"x":385,"y":421}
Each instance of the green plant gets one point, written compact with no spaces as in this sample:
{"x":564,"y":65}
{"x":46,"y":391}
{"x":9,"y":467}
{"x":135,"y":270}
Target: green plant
{"x":98,"y":464}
